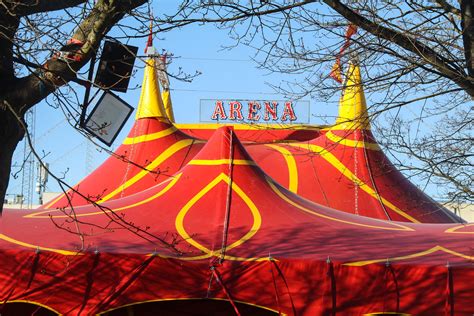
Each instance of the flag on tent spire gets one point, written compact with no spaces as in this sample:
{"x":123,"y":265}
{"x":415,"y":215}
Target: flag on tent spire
{"x":336,"y":71}
{"x":149,"y":42}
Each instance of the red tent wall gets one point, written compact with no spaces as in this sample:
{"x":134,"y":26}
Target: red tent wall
{"x":232,"y":233}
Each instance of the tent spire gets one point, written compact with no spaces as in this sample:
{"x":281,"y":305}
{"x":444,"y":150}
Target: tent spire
{"x":352,"y":107}
{"x":165,"y":95}
{"x":150,"y":104}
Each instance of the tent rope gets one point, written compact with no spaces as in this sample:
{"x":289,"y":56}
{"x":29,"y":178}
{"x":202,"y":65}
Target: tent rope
{"x":277,"y":297}
{"x":356,"y":187}
{"x":226,"y":292}
{"x":372,"y":180}
{"x":228,"y":198}
{"x":129,"y":160}
{"x":332,"y":282}
{"x":280,"y":273}
{"x":449,"y":304}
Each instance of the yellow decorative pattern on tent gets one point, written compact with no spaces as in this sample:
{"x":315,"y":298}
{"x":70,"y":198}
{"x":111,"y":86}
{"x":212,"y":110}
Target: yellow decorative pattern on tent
{"x":453,"y":230}
{"x":190,"y":299}
{"x":151,"y":166}
{"x":411,"y":256}
{"x":216,"y":162}
{"x":244,"y":127}
{"x":32,"y":303}
{"x":351,"y":143}
{"x":28,"y":245}
{"x":179,"y":222}
{"x":172,"y":181}
{"x":336,"y":163}
{"x":396,"y":226}
{"x":292,"y":168}
{"x":149,"y":137}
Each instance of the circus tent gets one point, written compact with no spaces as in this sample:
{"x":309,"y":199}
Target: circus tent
{"x":344,"y":168}
{"x":221,"y":230}
{"x":156,"y":148}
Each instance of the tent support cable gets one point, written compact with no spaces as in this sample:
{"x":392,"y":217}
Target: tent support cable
{"x":372,"y":180}
{"x":277,"y":297}
{"x":229,"y":198}
{"x":219,"y":280}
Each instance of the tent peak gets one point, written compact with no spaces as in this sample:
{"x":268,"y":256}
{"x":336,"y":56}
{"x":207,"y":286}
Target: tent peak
{"x":150,"y":104}
{"x":353,"y":112}
{"x":223,"y":148}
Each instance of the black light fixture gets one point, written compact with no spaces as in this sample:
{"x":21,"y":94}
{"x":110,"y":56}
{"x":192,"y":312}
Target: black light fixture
{"x":107,"y":118}
{"x":110,"y":112}
{"x":115,"y":66}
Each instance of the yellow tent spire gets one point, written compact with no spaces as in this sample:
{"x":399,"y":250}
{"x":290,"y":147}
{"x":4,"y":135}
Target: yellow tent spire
{"x":165,"y":96}
{"x":352,"y":107}
{"x":150,"y":104}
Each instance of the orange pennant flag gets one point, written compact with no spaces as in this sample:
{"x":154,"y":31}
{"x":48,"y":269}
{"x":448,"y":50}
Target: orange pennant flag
{"x":336,"y":71}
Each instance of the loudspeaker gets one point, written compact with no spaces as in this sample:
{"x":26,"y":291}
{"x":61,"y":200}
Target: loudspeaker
{"x":115,"y":66}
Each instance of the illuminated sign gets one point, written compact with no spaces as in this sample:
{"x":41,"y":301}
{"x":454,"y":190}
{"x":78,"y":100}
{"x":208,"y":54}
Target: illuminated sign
{"x":254,"y":111}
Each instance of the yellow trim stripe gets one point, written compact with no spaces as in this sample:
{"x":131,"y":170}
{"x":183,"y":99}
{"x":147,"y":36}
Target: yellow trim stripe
{"x":387,"y":313}
{"x":32,"y":303}
{"x":414,"y":255}
{"x":179,"y":222}
{"x":453,"y":230}
{"x":27,"y":245}
{"x":336,"y":163}
{"x":149,"y":137}
{"x":128,"y":141}
{"x":216,"y":162}
{"x":190,"y":299}
{"x":151,"y":166}
{"x":61,"y":196}
{"x":172,"y":182}
{"x":351,"y":143}
{"x":261,"y":127}
{"x":292,"y":168}
{"x":304,"y":209}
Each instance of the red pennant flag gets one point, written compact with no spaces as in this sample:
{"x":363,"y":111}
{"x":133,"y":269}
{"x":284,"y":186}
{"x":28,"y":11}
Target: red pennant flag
{"x":336,"y":71}
{"x":150,"y":37}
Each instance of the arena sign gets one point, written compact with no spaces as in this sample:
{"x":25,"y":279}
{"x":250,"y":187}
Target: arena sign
{"x":254,"y":111}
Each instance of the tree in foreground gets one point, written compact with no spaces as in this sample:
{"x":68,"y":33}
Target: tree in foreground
{"x":413,"y":53}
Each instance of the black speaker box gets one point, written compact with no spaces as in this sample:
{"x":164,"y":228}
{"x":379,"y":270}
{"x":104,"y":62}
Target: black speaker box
{"x":115,"y":66}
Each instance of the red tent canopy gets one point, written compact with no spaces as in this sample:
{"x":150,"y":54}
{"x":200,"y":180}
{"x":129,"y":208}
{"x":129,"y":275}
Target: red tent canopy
{"x":344,"y":169}
{"x":222,"y":229}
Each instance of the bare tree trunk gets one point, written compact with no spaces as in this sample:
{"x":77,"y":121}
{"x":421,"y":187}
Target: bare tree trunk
{"x":11,"y":133}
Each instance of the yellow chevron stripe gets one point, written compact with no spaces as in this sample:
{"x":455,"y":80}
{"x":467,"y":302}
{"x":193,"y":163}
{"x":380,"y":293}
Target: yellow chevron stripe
{"x":351,"y":143}
{"x":414,"y":255}
{"x":172,"y":181}
{"x":149,"y":137}
{"x":216,"y":162}
{"x":291,"y":164}
{"x":453,"y":230}
{"x":252,"y":127}
{"x":152,"y":166}
{"x":27,"y":245}
{"x":326,"y":155}
{"x":301,"y":207}
{"x":179,"y":221}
